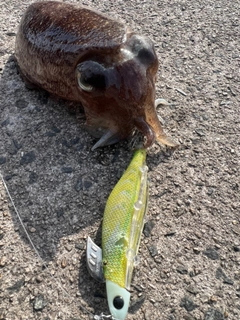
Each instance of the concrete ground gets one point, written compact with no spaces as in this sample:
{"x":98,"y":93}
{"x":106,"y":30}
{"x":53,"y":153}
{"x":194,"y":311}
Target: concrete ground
{"x":190,"y":249}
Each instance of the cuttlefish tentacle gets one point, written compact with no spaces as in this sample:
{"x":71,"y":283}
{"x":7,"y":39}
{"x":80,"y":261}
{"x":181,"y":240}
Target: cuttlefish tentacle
{"x":154,"y":123}
{"x":108,"y":138}
{"x":146,"y":130}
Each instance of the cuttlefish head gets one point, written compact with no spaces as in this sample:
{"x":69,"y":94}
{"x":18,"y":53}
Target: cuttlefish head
{"x":118,"y":92}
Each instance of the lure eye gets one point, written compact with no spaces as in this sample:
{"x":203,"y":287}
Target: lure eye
{"x":118,"y":302}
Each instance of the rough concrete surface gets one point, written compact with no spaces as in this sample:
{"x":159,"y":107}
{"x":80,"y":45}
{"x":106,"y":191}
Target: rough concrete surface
{"x":190,"y":248}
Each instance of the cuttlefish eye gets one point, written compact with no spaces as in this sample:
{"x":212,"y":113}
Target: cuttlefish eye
{"x":91,"y":75}
{"x":146,"y":56}
{"x":118,"y":302}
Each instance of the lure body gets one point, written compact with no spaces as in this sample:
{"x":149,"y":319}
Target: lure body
{"x":121,"y":232}
{"x":82,"y":55}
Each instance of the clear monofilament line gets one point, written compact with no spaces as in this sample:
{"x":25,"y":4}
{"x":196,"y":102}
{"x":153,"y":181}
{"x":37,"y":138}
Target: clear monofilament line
{"x":21,"y":222}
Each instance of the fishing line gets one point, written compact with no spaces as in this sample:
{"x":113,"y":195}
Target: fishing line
{"x":57,"y":283}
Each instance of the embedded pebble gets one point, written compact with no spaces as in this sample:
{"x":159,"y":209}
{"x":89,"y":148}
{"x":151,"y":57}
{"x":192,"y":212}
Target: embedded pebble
{"x":67,"y":169}
{"x":221,"y":275}
{"x":21,"y":103}
{"x":196,"y":250}
{"x":63,"y":263}
{"x":148,"y":227}
{"x":182,"y":270}
{"x":136,"y":302}
{"x":28,"y":158}
{"x":17,"y":286}
{"x":211,"y":254}
{"x":39,"y":303}
{"x":2,"y":160}
{"x":3,"y":261}
{"x":188,"y":304}
{"x":170,"y":233}
{"x":236,"y":248}
{"x":192,"y":289}
{"x":153,"y":250}
{"x":213,"y":314}
{"x":33,"y":177}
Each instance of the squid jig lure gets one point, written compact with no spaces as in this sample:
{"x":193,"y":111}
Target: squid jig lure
{"x":123,"y":222}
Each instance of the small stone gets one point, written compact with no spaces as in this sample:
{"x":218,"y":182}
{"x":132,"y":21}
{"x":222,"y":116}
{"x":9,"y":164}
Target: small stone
{"x":32,"y":230}
{"x":27,"y":158}
{"x":17,"y":286}
{"x":137,"y":287}
{"x":67,"y":169}
{"x":64,"y":263}
{"x":11,"y":34}
{"x":200,"y":132}
{"x":2,"y":160}
{"x":192,"y":289}
{"x":196,"y":250}
{"x":170,"y":233}
{"x":33,"y":177}
{"x":3,"y":261}
{"x":153,"y":250}
{"x":228,"y":281}
{"x":68,"y":247}
{"x":236,"y":248}
{"x":80,"y":246}
{"x":21,"y":103}
{"x":39,"y":279}
{"x":39,"y":303}
{"x":182,"y":270}
{"x":213,"y":299}
{"x":136,"y":303}
{"x":78,"y":185}
{"x":211,"y":254}
{"x":221,"y":275}
{"x":60,"y":213}
{"x":87,"y":184}
{"x":188,"y":304}
{"x":149,"y":225}
{"x":213,"y":314}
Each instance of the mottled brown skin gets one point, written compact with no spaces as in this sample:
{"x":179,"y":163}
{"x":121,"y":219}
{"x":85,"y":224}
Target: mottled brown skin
{"x":82,"y":55}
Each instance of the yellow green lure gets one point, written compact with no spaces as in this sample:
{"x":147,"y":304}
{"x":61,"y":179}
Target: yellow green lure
{"x":121,"y":232}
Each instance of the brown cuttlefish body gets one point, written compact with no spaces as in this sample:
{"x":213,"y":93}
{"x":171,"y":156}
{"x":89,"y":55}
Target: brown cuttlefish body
{"x":82,"y":55}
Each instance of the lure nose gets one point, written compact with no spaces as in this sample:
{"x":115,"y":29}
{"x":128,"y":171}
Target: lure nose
{"x":118,"y":300}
